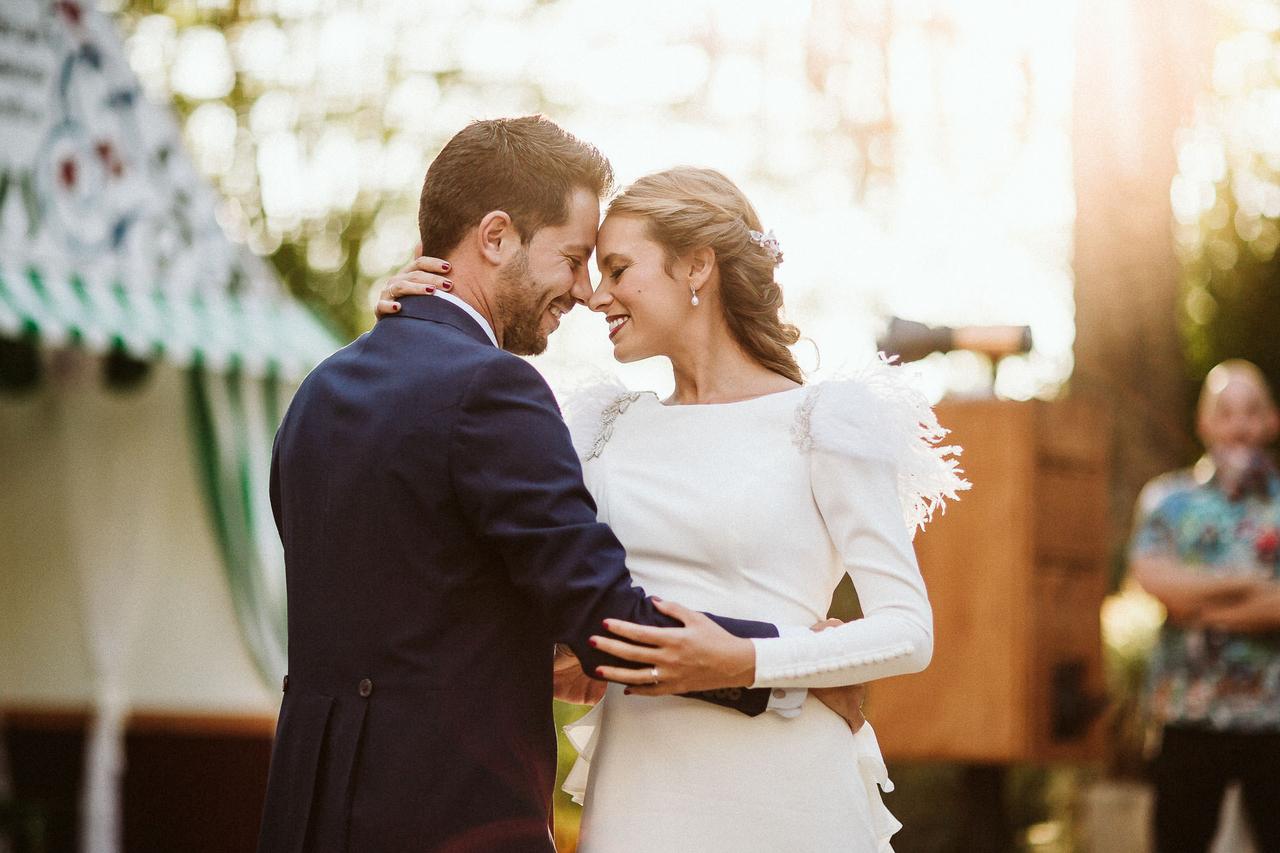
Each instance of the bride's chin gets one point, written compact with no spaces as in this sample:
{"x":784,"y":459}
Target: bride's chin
{"x":622,"y":356}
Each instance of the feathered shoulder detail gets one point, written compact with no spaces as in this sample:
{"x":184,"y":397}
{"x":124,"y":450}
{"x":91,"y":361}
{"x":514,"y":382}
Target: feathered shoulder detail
{"x":590,"y":408}
{"x":877,"y":412}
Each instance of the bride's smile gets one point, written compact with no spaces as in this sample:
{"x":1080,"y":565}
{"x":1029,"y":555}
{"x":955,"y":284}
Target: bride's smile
{"x":642,"y":292}
{"x":616,"y":322}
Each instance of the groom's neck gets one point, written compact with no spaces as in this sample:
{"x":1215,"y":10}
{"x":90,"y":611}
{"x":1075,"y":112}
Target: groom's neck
{"x":475,"y":293}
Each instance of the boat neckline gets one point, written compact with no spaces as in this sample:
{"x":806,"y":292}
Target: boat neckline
{"x":754,"y":399}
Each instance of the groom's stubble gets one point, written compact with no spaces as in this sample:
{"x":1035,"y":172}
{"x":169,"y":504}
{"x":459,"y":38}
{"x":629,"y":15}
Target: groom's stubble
{"x":518,"y":308}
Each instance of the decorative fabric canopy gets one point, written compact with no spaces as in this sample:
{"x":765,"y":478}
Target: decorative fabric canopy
{"x":108,"y":236}
{"x":109,"y":241}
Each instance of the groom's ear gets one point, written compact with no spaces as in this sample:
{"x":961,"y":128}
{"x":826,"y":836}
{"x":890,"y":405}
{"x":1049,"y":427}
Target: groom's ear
{"x":496,"y":236}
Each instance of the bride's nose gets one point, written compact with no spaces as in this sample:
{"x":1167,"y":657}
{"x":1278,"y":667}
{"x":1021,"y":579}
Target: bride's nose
{"x":601,"y":298}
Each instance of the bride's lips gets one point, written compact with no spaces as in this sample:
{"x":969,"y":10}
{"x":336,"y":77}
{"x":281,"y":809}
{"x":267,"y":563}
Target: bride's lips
{"x":616,"y":322}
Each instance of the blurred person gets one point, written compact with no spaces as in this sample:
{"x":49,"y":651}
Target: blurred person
{"x":746,"y":490}
{"x":1207,"y":545}
{"x":439,"y":540}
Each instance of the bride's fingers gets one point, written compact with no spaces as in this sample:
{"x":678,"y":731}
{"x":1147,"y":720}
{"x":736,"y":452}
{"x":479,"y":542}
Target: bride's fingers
{"x":646,"y":634}
{"x":626,"y":651}
{"x":413,"y":284}
{"x":426,"y":264}
{"x":676,"y":611}
{"x":625,"y":675}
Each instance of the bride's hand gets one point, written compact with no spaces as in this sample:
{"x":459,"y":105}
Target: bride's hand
{"x":845,"y":701}
{"x":571,"y":684}
{"x":421,"y":276}
{"x":698,"y":656}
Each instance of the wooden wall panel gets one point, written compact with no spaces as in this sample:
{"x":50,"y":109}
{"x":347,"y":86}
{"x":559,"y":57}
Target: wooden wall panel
{"x":1016,"y":575}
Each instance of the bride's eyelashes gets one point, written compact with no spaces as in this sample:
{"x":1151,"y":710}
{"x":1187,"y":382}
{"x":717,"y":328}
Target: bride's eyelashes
{"x":616,"y":272}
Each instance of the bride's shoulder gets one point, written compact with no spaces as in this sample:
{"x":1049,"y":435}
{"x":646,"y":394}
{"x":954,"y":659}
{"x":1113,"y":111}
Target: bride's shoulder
{"x":869,"y":411}
{"x":590,"y":408}
{"x":879,"y":412}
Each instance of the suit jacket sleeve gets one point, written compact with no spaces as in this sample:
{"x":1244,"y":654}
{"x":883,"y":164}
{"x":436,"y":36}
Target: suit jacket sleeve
{"x":519,"y":484}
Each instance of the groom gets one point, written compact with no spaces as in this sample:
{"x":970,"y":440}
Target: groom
{"x":438,"y":538}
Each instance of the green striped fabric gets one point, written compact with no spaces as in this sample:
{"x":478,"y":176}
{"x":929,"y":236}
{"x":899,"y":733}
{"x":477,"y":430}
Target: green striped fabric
{"x":219,"y":331}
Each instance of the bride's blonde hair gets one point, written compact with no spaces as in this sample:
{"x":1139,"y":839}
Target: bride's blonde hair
{"x":687,"y":208}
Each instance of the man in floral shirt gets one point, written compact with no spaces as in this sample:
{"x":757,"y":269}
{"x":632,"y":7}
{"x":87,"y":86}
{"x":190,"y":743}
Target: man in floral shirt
{"x":1207,"y":544}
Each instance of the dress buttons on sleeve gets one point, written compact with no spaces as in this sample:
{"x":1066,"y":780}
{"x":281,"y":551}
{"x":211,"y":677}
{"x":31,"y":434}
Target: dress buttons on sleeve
{"x":366,"y":687}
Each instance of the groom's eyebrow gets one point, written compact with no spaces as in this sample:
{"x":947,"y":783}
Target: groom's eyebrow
{"x":580,"y":251}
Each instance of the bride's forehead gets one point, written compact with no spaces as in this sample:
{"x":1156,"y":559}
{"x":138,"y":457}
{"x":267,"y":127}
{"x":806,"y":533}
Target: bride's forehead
{"x":616,"y":230}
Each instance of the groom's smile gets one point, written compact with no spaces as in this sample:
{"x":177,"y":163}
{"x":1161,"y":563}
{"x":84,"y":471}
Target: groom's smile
{"x":556,"y":275}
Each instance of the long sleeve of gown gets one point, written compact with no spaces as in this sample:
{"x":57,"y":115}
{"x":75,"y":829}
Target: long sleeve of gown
{"x":895,"y":634}
{"x":874,"y":465}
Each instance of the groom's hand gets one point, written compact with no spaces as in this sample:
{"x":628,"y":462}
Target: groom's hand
{"x":570,"y":683}
{"x":698,"y":656}
{"x":845,"y":701}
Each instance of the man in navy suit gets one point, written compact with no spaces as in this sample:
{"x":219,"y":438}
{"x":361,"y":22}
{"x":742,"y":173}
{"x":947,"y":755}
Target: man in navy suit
{"x":438,"y":537}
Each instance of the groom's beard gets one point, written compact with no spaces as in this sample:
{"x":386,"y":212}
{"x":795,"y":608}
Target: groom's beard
{"x":518,"y":308}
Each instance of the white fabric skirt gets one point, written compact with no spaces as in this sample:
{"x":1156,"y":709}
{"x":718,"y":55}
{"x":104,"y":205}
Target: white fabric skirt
{"x":667,"y":773}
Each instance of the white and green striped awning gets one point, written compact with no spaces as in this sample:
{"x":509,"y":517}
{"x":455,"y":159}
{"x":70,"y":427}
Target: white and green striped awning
{"x":259,"y":334}
{"x":109,"y":238}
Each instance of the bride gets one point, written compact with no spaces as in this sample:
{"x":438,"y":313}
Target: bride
{"x":749,"y":492}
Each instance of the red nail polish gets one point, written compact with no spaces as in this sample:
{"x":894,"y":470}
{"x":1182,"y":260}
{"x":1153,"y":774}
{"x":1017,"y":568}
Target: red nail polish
{"x":626,"y":692}
{"x":447,"y":285}
{"x":445,"y":266}
{"x":605,"y":623}
{"x":593,"y":642}
{"x":600,"y":671}
{"x":395,"y":307}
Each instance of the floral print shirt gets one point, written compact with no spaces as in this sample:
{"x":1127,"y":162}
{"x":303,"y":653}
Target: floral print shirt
{"x":1201,"y":676}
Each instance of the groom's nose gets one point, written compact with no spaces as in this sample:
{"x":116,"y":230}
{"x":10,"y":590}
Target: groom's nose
{"x":581,"y":290}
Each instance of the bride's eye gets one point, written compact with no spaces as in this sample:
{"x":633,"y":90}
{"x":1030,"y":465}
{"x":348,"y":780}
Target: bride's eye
{"x":617,"y":272}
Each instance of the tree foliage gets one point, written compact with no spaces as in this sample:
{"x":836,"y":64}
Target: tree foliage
{"x":1226,"y":200}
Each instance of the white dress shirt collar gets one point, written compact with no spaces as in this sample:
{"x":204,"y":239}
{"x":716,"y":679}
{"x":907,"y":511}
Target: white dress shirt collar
{"x":475,"y":315}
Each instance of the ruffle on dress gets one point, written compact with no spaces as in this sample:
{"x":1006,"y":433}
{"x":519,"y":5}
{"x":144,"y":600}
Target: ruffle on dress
{"x":878,"y":413}
{"x":584,"y":734}
{"x":875,"y":778}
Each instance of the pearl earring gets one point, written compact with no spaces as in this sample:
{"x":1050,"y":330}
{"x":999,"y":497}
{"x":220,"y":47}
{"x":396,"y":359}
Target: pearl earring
{"x":694,"y":300}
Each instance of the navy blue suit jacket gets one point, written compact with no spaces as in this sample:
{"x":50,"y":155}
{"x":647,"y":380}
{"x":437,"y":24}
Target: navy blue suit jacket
{"x":438,"y":540}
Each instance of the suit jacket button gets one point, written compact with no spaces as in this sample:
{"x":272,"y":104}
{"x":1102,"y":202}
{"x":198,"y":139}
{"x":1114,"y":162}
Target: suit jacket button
{"x":366,"y":687}
{"x":284,"y":685}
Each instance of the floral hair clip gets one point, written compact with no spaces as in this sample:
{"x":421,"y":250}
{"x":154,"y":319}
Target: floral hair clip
{"x":769,"y":242}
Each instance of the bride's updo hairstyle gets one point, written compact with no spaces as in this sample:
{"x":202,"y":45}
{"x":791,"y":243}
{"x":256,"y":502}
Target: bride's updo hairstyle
{"x":687,"y":208}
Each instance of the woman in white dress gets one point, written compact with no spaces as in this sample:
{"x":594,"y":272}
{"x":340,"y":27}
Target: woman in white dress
{"x":745,"y":492}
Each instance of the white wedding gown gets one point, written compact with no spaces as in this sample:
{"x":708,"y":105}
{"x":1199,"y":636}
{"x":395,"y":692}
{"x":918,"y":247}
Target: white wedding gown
{"x":756,"y":510}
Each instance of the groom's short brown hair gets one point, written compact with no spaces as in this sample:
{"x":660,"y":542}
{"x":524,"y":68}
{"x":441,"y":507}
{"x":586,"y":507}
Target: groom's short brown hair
{"x":526,"y":166}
